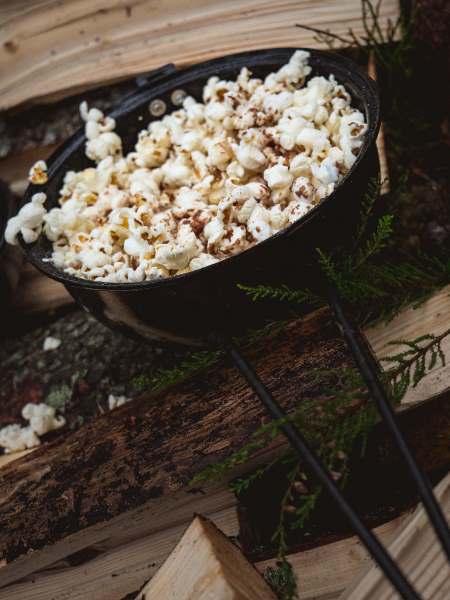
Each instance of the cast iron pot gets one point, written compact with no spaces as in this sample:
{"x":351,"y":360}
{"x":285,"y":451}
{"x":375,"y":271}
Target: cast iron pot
{"x":187,"y":308}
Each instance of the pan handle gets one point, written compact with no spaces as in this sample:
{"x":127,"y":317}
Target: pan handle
{"x":311,"y":460}
{"x":368,"y":367}
{"x":145,"y":81}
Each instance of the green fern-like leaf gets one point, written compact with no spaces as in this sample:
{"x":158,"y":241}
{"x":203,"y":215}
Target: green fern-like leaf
{"x":282,"y":293}
{"x":282,"y":580}
{"x":376,"y":242}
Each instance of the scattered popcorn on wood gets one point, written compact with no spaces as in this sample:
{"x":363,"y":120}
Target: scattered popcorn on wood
{"x":14,"y":438}
{"x":42,"y":419}
{"x":116,"y":401}
{"x":51,"y":343}
{"x":203,"y":183}
{"x":38,"y":173}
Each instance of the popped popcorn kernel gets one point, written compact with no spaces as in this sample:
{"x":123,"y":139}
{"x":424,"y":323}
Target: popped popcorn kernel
{"x":41,"y":419}
{"x":51,"y":343}
{"x":38,"y":173}
{"x":116,"y":401}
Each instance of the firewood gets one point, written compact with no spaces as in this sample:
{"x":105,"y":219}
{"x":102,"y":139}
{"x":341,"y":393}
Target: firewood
{"x":418,"y":553}
{"x":148,"y":451}
{"x":56,"y":48}
{"x":125,"y":471}
{"x":206,"y":564}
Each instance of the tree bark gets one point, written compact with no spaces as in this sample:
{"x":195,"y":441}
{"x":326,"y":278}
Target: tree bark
{"x":152,"y":448}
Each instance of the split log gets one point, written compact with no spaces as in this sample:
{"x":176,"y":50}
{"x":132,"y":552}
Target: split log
{"x":53,"y":48}
{"x":116,"y":573}
{"x":204,"y":565}
{"x":418,"y":553}
{"x":323,"y":573}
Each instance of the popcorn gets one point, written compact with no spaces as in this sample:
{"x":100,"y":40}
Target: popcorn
{"x":219,"y":155}
{"x":214,"y":231}
{"x":102,"y":141}
{"x":250,"y":156}
{"x":136,"y":246}
{"x":28,"y":222}
{"x":207,"y":181}
{"x":202,"y":260}
{"x":116,"y":401}
{"x":246,"y":210}
{"x":277,"y":103}
{"x":51,"y":343}
{"x":176,"y":255}
{"x":278,"y":177}
{"x":297,"y":209}
{"x":41,"y":418}
{"x":294,"y":72}
{"x":352,"y":129}
{"x":14,"y":438}
{"x":106,"y":144}
{"x":38,"y":173}
{"x":302,"y":189}
{"x":258,"y":223}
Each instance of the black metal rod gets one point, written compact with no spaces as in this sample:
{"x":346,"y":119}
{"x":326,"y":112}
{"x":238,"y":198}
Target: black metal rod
{"x":368,"y":368}
{"x":310,"y":459}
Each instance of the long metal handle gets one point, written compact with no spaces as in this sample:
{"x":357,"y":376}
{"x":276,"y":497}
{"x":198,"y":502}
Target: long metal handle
{"x":368,"y":368}
{"x":310,"y":459}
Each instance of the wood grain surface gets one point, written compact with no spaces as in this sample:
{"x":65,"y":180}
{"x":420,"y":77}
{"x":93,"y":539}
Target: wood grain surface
{"x":52,"y":48}
{"x":418,"y":553}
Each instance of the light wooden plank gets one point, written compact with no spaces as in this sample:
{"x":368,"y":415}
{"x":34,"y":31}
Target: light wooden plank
{"x":116,"y":572}
{"x":7,"y":458}
{"x":381,"y":146}
{"x":323,"y":573}
{"x":205,"y":565}
{"x":431,"y":316}
{"x":132,"y":551}
{"x":416,"y":550}
{"x":52,"y":47}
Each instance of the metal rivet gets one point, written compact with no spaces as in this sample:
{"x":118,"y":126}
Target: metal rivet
{"x":177,"y":97}
{"x":157,"y":107}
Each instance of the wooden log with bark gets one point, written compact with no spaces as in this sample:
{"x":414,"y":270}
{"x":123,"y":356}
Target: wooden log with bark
{"x":151,"y":449}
